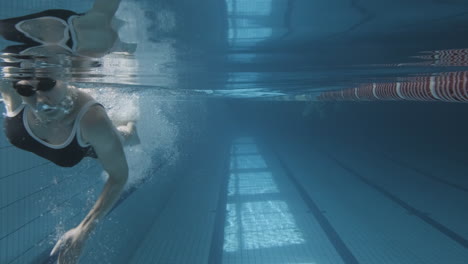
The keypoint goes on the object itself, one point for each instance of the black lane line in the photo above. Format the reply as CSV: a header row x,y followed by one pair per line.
x,y
340,247
217,239
421,215
404,164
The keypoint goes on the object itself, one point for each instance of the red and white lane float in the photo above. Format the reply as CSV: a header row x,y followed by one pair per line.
x,y
447,87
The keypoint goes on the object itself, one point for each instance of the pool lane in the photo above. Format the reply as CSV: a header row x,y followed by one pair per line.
x,y
246,212
375,227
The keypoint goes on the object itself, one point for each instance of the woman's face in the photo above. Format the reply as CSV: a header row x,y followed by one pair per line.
x,y
50,103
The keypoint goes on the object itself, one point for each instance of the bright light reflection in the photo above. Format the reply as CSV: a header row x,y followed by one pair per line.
x,y
250,183
249,7
264,225
242,93
248,162
231,230
241,23
244,19
248,34
260,223
245,148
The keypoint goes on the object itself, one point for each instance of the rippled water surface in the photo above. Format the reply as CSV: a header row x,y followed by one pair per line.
x,y
270,49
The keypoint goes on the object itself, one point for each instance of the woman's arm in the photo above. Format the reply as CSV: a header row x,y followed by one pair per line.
x,y
98,130
11,99
94,33
107,7
100,16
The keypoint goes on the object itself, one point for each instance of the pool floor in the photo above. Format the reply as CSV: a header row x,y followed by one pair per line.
x,y
317,202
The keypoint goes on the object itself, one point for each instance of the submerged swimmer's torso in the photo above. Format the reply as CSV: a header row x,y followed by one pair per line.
x,y
62,145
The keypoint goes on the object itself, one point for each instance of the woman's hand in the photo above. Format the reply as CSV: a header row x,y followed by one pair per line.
x,y
70,245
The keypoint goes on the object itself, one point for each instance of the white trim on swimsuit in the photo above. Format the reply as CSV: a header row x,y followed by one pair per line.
x,y
63,42
75,130
14,112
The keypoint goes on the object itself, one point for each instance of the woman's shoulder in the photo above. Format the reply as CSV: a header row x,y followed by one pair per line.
x,y
87,105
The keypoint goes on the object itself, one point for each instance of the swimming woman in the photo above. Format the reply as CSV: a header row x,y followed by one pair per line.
x,y
60,123
49,117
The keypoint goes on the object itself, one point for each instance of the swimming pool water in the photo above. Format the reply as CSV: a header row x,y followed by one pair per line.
x,y
286,131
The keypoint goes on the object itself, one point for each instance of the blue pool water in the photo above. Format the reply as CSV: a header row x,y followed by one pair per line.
x,y
272,131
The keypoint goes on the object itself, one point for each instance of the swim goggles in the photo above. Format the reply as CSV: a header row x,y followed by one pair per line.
x,y
27,90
